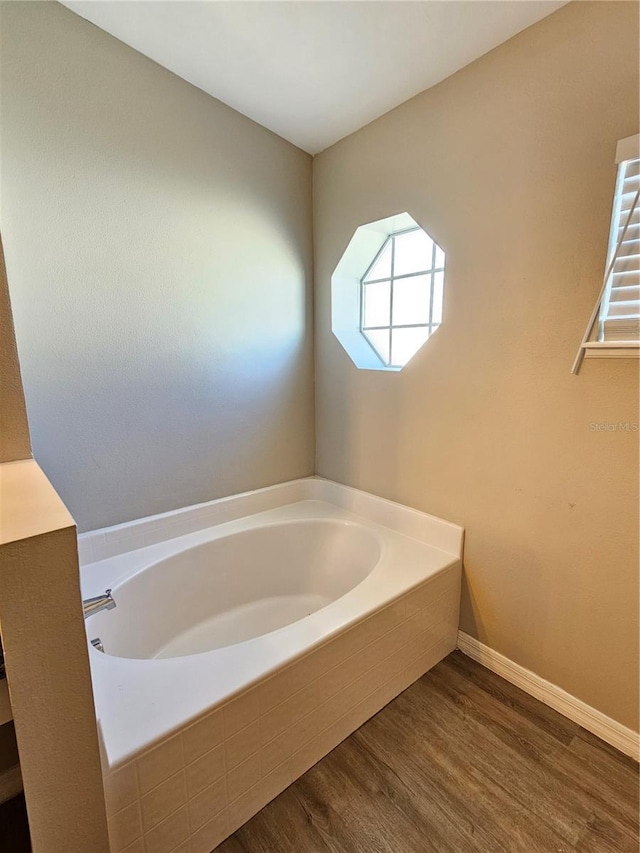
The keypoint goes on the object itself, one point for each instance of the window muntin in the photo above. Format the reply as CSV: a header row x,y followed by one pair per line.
x,y
401,295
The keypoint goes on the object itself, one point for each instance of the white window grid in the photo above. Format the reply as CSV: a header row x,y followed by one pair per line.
x,y
431,271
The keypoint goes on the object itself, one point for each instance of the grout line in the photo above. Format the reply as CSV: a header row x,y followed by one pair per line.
x,y
139,802
364,699
338,637
224,755
353,654
164,820
200,757
410,642
160,784
128,806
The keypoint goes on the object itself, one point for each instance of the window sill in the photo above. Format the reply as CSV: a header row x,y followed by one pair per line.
x,y
611,349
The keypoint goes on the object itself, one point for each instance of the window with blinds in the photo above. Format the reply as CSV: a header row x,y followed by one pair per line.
x,y
613,330
620,306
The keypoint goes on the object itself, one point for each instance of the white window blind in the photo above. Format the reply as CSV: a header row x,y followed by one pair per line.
x,y
620,306
613,330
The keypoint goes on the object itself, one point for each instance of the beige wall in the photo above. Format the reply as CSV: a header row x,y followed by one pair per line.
x,y
509,165
158,246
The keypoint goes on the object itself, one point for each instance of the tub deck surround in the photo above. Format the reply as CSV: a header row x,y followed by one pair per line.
x,y
98,545
194,745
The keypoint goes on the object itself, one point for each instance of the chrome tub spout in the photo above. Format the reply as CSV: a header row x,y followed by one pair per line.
x,y
98,603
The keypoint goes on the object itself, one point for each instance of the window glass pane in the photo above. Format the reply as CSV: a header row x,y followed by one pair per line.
x,y
413,252
405,343
380,342
376,304
411,300
439,257
438,288
382,267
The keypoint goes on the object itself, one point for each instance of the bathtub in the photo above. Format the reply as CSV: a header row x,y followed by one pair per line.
x,y
250,636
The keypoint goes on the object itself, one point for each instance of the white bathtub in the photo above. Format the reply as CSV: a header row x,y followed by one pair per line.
x,y
237,586
250,636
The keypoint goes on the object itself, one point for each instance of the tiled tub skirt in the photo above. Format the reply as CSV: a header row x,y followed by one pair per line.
x,y
190,792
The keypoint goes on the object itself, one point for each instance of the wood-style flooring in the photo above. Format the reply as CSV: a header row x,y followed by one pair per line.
x,y
461,761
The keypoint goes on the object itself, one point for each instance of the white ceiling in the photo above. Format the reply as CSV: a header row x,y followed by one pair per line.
x,y
313,71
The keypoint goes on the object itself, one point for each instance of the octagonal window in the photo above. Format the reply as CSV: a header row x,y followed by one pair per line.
x,y
401,295
387,293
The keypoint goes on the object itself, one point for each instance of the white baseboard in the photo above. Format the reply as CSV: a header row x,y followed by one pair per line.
x,y
614,733
10,783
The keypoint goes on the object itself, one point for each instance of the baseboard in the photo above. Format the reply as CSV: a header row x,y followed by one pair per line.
x,y
10,783
614,733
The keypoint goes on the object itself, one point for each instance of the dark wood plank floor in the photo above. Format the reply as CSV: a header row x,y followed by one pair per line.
x,y
461,761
